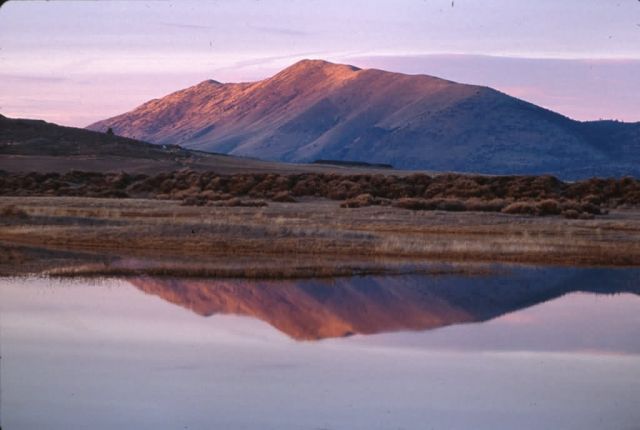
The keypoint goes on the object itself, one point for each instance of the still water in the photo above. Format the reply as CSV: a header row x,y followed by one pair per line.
x,y
524,348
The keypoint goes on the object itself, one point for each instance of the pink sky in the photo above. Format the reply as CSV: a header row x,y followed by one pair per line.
x,y
76,62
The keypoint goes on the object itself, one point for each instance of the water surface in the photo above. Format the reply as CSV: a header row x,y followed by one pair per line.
x,y
524,348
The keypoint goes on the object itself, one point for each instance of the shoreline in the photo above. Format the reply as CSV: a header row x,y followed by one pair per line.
x,y
310,238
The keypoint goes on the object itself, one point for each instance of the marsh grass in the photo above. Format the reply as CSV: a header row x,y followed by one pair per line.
x,y
310,236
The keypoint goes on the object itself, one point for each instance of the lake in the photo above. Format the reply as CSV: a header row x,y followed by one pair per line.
x,y
519,348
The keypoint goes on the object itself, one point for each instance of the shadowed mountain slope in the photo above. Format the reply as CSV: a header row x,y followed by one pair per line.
x,y
37,137
35,145
319,110
29,145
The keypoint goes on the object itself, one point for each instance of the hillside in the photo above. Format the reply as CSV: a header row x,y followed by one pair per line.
x,y
319,110
29,145
35,145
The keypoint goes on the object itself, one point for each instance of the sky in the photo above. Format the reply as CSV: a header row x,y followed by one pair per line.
x,y
75,62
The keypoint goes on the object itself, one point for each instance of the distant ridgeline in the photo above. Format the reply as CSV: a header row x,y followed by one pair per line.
x,y
353,164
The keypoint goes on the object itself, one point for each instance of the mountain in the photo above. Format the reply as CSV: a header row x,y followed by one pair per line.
x,y
318,309
319,110
29,145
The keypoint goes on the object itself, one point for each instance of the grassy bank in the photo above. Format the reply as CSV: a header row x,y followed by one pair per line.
x,y
312,237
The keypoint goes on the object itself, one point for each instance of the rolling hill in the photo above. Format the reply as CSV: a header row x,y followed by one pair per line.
x,y
318,110
31,145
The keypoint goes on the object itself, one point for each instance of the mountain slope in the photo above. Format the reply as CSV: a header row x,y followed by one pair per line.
x,y
319,110
28,145
37,137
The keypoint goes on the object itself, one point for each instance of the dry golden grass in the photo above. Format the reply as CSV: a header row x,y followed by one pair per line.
x,y
310,237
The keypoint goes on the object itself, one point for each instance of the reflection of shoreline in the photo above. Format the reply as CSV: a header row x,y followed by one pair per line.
x,y
317,309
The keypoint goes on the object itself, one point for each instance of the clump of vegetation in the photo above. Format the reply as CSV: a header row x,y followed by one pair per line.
x,y
236,202
521,208
362,200
475,204
528,195
448,204
283,197
548,207
567,208
571,214
193,201
12,211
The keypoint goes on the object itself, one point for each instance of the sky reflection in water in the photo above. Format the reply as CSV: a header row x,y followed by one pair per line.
x,y
552,354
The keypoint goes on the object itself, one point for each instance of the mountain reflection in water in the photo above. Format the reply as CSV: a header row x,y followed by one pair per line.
x,y
318,309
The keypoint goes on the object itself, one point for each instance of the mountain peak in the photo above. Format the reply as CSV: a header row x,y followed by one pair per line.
x,y
320,64
208,82
315,109
322,67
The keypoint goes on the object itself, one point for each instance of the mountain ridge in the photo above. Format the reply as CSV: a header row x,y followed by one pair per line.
x,y
319,110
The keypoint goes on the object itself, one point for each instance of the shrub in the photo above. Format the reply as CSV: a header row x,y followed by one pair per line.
x,y
345,189
590,208
284,197
593,199
192,191
193,201
13,211
209,195
236,202
359,201
413,203
521,208
548,207
571,214
238,185
253,203
479,205
451,205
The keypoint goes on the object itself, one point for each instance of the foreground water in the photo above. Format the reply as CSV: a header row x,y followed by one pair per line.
x,y
524,348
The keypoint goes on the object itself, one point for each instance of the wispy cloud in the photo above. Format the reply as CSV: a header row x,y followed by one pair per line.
x,y
187,26
280,31
31,78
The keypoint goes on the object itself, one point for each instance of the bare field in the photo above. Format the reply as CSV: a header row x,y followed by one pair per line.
x,y
314,237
